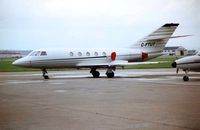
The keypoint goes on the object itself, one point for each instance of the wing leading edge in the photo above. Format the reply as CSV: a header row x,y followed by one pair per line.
x,y
115,63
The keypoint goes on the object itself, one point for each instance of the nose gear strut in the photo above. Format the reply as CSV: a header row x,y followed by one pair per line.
x,y
45,73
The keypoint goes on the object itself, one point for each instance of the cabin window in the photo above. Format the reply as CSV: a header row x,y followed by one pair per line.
x,y
71,54
43,53
87,53
79,54
96,53
104,53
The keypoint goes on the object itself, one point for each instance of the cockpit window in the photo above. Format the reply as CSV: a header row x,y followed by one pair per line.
x,y
38,53
31,53
43,53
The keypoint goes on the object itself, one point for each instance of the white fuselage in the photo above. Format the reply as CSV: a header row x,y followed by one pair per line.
x,y
191,63
73,57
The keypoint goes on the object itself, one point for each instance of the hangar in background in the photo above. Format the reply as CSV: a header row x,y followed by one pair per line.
x,y
175,50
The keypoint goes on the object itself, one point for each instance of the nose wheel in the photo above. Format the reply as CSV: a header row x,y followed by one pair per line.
x,y
45,74
186,77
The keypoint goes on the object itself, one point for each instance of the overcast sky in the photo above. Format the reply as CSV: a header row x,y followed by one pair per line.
x,y
33,24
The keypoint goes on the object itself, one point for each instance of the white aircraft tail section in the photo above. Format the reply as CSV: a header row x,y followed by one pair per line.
x,y
156,41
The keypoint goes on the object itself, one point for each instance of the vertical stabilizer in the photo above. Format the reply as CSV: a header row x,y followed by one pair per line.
x,y
156,41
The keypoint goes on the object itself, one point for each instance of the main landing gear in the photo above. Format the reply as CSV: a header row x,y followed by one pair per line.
x,y
45,74
94,73
110,73
186,77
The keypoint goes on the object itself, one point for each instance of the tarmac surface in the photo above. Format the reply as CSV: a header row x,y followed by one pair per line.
x,y
150,99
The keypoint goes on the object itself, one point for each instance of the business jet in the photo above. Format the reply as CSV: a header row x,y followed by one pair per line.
x,y
189,63
149,47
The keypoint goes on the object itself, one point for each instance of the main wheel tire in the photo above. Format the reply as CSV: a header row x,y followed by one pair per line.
x,y
96,74
110,75
185,78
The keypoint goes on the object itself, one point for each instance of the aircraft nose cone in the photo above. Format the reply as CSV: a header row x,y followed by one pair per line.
x,y
16,63
174,64
21,62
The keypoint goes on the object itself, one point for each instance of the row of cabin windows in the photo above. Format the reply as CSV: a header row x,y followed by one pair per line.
x,y
87,54
44,53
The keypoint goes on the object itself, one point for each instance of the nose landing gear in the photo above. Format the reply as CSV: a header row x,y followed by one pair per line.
x,y
186,77
45,73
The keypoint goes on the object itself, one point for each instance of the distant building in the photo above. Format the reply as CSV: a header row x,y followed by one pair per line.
x,y
13,53
175,50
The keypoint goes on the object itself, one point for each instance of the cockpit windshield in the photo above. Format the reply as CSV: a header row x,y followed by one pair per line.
x,y
31,53
38,53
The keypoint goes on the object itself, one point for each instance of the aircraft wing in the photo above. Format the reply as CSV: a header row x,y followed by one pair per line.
x,y
113,63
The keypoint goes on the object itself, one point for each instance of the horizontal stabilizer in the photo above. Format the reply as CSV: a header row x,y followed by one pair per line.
x,y
180,36
164,38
